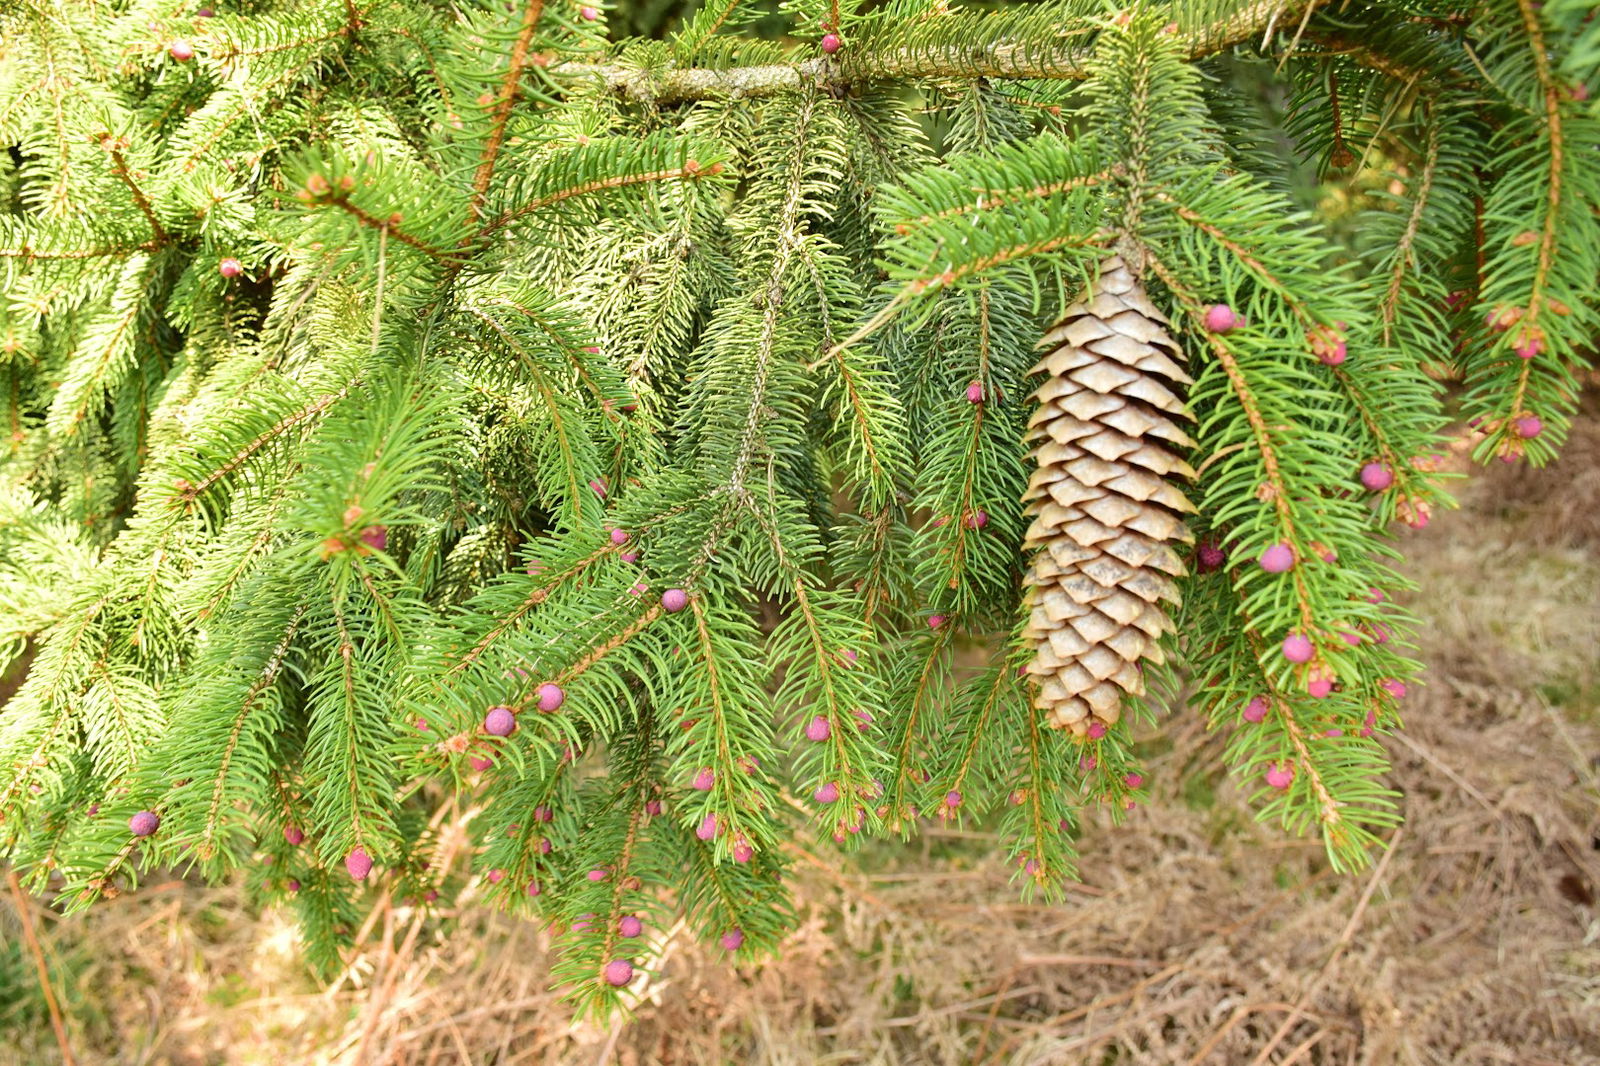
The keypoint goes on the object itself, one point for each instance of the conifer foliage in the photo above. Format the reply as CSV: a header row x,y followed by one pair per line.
x,y
429,413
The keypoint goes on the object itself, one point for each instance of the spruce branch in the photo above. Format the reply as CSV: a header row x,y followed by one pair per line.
x,y
1000,59
119,167
510,90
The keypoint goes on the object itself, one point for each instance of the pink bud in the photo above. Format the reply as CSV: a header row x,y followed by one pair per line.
x,y
180,50
704,780
674,600
499,722
598,874
1350,637
818,729
1334,354
542,813
733,939
144,823
827,793
230,267
830,43
496,876
599,488
652,807
1087,763
588,14
294,835
1297,649
1133,780
544,846
1376,477
618,972
743,852
975,392
619,536
478,763
1395,688
935,621
1210,556
1031,867
977,519
1319,688
952,799
707,829
1529,347
551,697
359,863
1277,558
293,885
1529,426
1280,776
863,719
630,557
1256,710
629,926
533,889
1219,318
1096,729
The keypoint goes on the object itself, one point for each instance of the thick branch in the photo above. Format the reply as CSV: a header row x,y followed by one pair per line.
x,y
1063,60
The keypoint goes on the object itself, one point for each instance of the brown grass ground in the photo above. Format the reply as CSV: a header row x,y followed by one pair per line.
x,y
1197,937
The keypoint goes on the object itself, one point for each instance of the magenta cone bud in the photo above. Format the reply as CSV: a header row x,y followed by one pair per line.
x,y
1280,776
818,729
551,697
827,793
1334,355
629,926
294,835
499,722
975,392
375,537
1397,689
652,807
1350,637
952,799
1220,318
704,780
293,885
1375,595
478,763
977,519
619,536
1297,648
935,621
181,50
588,14
206,13
830,43
230,267
599,873
1097,729
1210,556
1133,780
582,923
1256,710
733,939
1087,763
674,600
543,814
359,863
599,488
533,889
1319,688
707,829
1529,348
618,972
863,719
1376,477
743,852
496,876
1529,426
544,845
630,557
1277,558
144,823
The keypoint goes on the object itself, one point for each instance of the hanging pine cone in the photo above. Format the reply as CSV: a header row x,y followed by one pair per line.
x,y
1106,513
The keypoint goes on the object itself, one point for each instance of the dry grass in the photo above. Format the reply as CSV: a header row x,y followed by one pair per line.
x,y
1197,938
